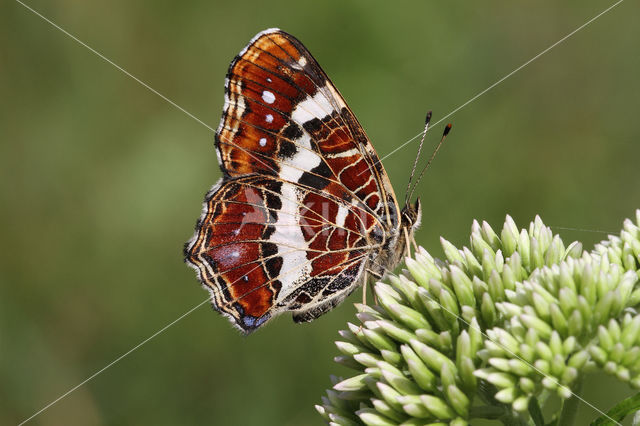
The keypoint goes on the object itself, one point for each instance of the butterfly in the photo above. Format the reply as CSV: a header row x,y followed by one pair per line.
x,y
304,212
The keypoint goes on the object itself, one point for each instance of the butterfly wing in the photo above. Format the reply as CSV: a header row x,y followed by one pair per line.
x,y
304,204
264,246
284,117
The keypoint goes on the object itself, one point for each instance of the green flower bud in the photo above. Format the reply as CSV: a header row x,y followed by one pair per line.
x,y
367,359
542,328
418,271
630,333
472,266
509,236
432,358
371,417
392,357
519,367
450,305
509,276
378,340
617,352
396,331
574,250
578,360
451,252
506,396
558,320
386,410
390,395
349,348
462,287
415,407
501,380
598,354
568,300
355,383
576,323
549,383
623,374
631,357
407,316
465,370
520,404
347,361
479,245
557,365
527,352
488,310
395,378
564,392
524,248
458,400
542,366
455,422
555,252
439,408
344,421
526,385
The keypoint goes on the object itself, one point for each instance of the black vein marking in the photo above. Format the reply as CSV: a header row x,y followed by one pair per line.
x,y
287,149
317,178
292,132
314,126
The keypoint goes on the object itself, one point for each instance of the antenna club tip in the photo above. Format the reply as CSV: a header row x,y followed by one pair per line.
x,y
447,129
428,118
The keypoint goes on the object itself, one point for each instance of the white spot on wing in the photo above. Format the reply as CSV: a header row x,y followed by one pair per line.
x,y
268,118
317,106
263,141
268,97
341,215
304,159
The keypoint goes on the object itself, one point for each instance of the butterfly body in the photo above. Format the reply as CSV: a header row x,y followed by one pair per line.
x,y
304,210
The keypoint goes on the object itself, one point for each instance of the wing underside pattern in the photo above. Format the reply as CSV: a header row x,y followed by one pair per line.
x,y
304,204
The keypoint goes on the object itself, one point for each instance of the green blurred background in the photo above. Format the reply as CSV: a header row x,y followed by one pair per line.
x,y
102,180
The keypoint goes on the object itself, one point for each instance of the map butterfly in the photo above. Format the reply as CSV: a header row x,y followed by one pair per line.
x,y
304,212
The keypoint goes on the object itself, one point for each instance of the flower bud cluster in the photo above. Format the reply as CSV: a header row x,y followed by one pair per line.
x,y
516,312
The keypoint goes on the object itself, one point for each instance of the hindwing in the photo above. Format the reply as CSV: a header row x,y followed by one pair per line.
x,y
264,246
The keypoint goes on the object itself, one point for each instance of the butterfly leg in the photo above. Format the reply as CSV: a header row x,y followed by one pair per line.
x,y
367,282
364,287
407,241
376,276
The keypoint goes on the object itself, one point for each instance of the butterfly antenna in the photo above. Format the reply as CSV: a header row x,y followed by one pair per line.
x,y
447,129
415,162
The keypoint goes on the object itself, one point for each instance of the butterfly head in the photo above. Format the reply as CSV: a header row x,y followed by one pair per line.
x,y
411,217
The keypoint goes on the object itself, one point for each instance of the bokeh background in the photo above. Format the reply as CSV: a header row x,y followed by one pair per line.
x,y
101,180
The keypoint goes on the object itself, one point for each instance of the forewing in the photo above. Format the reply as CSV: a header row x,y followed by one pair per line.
x,y
283,117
